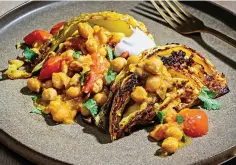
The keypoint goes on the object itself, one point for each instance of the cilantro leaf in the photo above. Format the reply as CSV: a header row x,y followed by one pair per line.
x,y
92,106
37,111
160,115
109,52
76,55
184,138
34,98
29,54
82,77
110,76
179,119
207,97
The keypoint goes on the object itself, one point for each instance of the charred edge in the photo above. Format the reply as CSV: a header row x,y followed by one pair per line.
x,y
120,100
144,116
103,115
156,51
223,92
178,60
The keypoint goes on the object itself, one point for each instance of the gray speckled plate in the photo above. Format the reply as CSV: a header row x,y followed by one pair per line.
x,y
32,137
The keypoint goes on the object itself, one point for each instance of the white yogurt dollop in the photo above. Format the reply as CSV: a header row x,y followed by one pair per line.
x,y
134,44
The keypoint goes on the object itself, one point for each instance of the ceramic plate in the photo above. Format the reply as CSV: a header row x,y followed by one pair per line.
x,y
31,136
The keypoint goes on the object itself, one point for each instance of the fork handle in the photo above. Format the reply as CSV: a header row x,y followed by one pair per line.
x,y
220,35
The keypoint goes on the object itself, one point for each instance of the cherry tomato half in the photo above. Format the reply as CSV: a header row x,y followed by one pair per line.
x,y
195,122
56,28
52,65
39,35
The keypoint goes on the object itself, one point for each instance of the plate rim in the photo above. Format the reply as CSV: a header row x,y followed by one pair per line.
x,y
40,158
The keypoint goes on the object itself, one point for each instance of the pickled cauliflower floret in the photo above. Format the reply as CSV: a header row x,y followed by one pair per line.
x,y
49,94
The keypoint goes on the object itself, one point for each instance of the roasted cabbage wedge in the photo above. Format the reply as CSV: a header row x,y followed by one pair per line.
x,y
112,21
183,72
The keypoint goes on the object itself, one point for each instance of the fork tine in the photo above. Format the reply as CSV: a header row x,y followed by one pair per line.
x,y
169,12
176,10
182,9
163,14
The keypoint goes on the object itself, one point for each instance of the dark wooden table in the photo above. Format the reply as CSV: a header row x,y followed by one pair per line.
x,y
7,156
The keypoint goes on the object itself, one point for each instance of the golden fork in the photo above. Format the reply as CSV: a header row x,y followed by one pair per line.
x,y
184,22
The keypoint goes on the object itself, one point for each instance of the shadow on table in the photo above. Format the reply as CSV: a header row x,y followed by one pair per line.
x,y
101,136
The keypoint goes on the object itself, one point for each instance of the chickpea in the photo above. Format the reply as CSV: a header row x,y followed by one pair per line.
x,y
169,114
174,132
153,83
76,66
67,53
133,59
74,91
102,51
170,144
34,84
74,80
49,94
96,28
100,98
153,65
85,30
118,64
91,45
102,36
60,80
139,94
97,87
84,111
47,84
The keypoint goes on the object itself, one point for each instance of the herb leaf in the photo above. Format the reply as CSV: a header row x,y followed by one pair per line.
x,y
37,111
207,97
109,52
160,115
184,138
110,76
29,54
34,98
82,77
179,119
92,106
76,55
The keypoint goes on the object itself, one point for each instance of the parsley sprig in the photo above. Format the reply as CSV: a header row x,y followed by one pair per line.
x,y
110,76
207,97
92,106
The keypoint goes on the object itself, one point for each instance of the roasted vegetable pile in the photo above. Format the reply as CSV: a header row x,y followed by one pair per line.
x,y
74,71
